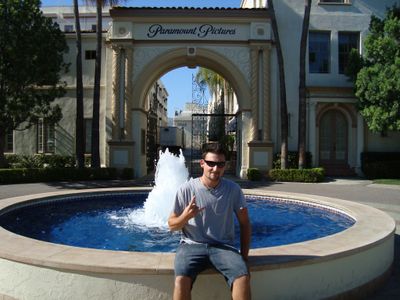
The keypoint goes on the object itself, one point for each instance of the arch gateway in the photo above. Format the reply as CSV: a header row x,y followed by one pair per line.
x,y
148,42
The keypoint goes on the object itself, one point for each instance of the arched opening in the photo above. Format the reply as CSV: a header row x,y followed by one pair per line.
x,y
187,107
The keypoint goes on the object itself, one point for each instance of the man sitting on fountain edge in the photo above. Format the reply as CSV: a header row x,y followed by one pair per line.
x,y
203,210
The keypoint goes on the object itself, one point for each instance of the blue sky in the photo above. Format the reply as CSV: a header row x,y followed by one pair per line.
x,y
160,3
179,81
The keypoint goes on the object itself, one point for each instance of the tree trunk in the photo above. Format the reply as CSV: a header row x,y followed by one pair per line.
x,y
96,93
302,87
282,89
3,161
79,133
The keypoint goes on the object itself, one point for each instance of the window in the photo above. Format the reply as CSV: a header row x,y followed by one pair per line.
x,y
9,144
319,51
88,135
94,27
347,42
68,28
90,54
45,137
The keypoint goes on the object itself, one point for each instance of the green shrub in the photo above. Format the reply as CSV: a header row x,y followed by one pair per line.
x,y
297,175
127,173
382,170
38,161
293,160
380,164
254,174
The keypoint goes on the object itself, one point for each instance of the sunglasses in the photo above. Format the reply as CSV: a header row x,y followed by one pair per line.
x,y
212,164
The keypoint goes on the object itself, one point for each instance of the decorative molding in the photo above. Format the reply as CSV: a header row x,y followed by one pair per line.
x,y
239,56
142,56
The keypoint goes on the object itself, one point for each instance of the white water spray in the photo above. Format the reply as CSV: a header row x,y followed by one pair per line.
x,y
171,173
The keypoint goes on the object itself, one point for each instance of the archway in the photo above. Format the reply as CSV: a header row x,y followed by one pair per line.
x,y
234,43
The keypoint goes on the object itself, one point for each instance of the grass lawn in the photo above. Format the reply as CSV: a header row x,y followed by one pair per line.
x,y
387,181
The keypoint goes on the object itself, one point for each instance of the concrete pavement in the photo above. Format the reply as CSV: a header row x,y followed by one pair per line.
x,y
383,197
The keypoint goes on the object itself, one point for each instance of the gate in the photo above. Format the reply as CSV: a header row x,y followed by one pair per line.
x,y
208,128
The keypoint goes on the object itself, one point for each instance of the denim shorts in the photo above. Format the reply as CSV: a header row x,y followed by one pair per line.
x,y
191,259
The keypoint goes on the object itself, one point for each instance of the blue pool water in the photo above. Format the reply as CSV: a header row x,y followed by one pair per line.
x,y
100,221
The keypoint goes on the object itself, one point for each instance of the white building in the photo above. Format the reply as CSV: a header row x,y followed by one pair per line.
x,y
142,44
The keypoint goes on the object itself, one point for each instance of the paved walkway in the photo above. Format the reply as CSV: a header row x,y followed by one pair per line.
x,y
383,197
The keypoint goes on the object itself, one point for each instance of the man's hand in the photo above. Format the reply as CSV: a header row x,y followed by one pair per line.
x,y
176,222
192,209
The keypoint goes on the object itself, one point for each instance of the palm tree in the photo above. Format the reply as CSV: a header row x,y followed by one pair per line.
x,y
79,134
282,89
95,163
219,87
302,86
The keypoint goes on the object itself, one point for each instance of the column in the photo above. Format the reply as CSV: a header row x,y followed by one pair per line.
x,y
128,92
260,96
115,91
121,147
254,94
267,94
121,94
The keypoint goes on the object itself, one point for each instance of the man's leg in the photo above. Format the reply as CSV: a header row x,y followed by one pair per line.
x,y
241,288
230,263
182,288
190,260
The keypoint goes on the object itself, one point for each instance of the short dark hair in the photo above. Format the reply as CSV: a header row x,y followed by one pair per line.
x,y
214,147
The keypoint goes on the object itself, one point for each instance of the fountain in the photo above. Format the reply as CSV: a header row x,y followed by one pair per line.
x,y
171,172
335,265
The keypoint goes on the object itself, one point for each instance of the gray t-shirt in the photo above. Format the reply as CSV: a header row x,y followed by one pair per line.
x,y
214,224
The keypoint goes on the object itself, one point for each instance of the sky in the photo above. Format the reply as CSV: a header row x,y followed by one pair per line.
x,y
178,82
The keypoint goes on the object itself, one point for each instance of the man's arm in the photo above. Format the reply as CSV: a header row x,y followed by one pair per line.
x,y
176,222
245,232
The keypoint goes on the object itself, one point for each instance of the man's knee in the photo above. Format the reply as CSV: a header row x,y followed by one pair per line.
x,y
243,281
183,282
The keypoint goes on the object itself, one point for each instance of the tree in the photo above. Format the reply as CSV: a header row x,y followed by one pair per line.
x,y
31,64
302,86
95,162
79,134
218,87
376,76
282,89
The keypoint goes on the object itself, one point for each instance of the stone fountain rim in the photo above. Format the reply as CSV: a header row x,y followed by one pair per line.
x,y
363,235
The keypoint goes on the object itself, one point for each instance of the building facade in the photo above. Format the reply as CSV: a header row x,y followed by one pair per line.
x,y
142,44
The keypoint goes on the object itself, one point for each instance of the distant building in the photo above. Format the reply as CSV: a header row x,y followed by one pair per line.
x,y
192,130
59,139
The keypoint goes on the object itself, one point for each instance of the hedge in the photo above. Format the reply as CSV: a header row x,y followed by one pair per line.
x,y
37,161
24,175
254,174
380,164
297,175
293,160
382,170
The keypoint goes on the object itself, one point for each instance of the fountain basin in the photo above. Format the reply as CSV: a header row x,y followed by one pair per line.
x,y
351,262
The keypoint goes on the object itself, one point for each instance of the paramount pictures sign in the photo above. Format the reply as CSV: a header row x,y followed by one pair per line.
x,y
202,31
156,31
